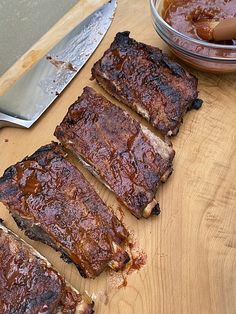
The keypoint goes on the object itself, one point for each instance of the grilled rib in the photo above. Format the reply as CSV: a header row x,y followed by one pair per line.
x,y
29,284
128,158
148,81
52,201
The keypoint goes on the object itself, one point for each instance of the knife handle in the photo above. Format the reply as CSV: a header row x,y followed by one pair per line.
x,y
7,120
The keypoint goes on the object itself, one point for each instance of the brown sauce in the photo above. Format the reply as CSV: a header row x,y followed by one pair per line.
x,y
182,14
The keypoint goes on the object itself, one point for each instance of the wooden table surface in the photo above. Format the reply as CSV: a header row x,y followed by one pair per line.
x,y
191,246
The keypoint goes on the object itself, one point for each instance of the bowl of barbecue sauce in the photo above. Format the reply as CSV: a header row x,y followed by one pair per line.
x,y
175,20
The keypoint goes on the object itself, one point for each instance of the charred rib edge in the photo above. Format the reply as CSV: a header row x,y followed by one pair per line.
x,y
31,232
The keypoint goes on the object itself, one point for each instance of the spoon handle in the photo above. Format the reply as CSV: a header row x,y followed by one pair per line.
x,y
225,30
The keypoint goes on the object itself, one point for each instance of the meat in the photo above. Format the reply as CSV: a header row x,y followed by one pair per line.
x,y
148,81
51,200
127,157
29,284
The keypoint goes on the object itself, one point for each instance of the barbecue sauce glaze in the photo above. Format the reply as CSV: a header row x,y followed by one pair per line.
x,y
28,284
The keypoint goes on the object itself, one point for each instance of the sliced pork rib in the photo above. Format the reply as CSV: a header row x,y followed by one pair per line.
x,y
127,157
29,284
148,81
52,201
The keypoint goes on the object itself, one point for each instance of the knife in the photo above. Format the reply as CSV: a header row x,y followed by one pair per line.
x,y
35,91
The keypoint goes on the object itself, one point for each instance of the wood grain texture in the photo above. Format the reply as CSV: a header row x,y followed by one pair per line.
x,y
191,246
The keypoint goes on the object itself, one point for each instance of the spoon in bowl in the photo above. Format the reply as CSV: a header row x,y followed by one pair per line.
x,y
213,30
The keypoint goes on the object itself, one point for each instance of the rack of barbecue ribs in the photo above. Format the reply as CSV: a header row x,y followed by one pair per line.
x,y
29,284
148,81
128,158
52,201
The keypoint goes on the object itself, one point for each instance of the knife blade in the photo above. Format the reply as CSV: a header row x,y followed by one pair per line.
x,y
35,91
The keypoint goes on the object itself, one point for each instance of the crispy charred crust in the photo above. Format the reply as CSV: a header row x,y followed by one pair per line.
x,y
66,258
148,81
31,284
197,104
33,231
156,210
53,203
128,158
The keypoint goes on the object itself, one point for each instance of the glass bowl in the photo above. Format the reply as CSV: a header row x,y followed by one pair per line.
x,y
200,54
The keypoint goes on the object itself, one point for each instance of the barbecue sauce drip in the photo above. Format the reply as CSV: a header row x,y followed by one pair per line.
x,y
182,14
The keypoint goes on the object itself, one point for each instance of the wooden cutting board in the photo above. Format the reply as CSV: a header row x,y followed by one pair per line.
x,y
191,246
